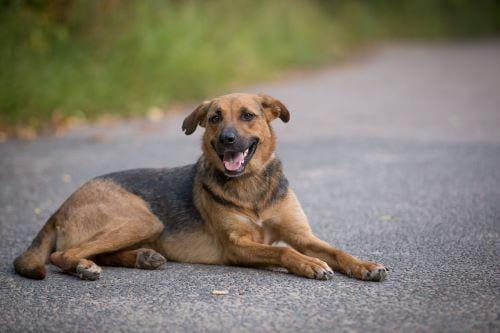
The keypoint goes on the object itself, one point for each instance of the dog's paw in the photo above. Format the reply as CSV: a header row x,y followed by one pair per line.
x,y
376,273
86,271
323,274
313,269
149,259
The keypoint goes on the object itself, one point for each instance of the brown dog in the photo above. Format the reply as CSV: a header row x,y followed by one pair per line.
x,y
228,208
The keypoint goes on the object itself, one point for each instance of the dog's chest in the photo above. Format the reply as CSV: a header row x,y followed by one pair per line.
x,y
253,222
261,232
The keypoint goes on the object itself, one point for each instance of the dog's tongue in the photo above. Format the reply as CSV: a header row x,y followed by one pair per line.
x,y
233,160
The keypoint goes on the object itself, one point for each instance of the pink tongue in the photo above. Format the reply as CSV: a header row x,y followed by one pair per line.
x,y
233,161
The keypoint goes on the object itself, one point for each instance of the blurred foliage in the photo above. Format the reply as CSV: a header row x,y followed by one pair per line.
x,y
88,57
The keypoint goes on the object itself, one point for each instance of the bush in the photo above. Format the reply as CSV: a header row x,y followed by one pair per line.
x,y
88,57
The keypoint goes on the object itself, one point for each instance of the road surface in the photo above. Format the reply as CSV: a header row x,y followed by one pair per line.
x,y
395,157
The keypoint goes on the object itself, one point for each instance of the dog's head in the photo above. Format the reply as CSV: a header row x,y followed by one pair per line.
x,y
238,136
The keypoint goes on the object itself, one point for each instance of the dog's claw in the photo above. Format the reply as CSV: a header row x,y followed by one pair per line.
x,y
379,273
323,274
329,274
91,273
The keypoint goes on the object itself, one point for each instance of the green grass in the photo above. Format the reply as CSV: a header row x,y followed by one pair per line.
x,y
123,57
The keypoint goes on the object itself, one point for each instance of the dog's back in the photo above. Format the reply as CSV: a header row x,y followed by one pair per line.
x,y
168,192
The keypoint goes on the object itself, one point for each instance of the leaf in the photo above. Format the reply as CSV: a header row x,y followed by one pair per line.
x,y
386,217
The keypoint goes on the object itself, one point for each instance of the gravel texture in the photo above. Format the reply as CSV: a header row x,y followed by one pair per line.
x,y
395,157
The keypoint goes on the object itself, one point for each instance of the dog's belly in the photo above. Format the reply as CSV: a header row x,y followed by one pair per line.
x,y
201,247
167,191
195,246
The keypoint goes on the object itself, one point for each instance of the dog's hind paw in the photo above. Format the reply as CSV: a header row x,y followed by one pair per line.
x,y
149,259
87,271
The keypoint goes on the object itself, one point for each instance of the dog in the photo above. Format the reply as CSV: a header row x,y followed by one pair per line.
x,y
231,207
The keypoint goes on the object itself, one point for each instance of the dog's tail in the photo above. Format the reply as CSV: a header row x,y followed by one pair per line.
x,y
31,263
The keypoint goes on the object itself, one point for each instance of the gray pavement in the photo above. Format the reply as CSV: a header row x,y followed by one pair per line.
x,y
395,157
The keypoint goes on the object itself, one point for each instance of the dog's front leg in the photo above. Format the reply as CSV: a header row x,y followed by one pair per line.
x,y
290,225
339,260
243,250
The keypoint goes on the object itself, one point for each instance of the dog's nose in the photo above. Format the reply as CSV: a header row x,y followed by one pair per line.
x,y
228,136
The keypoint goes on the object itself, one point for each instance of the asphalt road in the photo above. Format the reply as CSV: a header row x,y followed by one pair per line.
x,y
395,157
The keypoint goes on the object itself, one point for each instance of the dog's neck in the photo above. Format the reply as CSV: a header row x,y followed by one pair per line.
x,y
259,189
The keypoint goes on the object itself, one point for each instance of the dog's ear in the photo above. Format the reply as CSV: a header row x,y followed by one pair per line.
x,y
197,117
273,108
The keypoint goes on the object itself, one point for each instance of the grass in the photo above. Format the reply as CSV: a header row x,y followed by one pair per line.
x,y
85,58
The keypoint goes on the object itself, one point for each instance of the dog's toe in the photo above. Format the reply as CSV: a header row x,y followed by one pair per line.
x,y
379,273
323,274
86,272
150,259
317,269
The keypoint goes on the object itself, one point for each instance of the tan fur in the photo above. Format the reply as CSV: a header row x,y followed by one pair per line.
x,y
100,217
230,105
32,262
105,223
202,247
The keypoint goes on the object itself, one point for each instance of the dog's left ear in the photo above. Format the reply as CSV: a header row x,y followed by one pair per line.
x,y
197,117
273,108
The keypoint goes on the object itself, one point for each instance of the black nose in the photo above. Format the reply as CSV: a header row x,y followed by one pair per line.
x,y
227,136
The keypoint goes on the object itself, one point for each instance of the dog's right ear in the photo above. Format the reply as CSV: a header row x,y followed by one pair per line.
x,y
197,117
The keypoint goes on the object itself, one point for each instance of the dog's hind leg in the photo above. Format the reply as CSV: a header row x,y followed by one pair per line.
x,y
142,258
101,217
129,232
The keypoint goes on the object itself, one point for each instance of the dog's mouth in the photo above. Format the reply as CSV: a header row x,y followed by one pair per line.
x,y
235,161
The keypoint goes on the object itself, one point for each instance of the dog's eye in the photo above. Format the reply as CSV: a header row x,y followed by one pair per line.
x,y
247,116
215,119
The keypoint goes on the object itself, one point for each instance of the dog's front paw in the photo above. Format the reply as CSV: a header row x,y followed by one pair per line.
x,y
312,268
374,272
323,274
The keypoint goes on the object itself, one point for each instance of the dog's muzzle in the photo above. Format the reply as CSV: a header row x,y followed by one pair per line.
x,y
234,151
